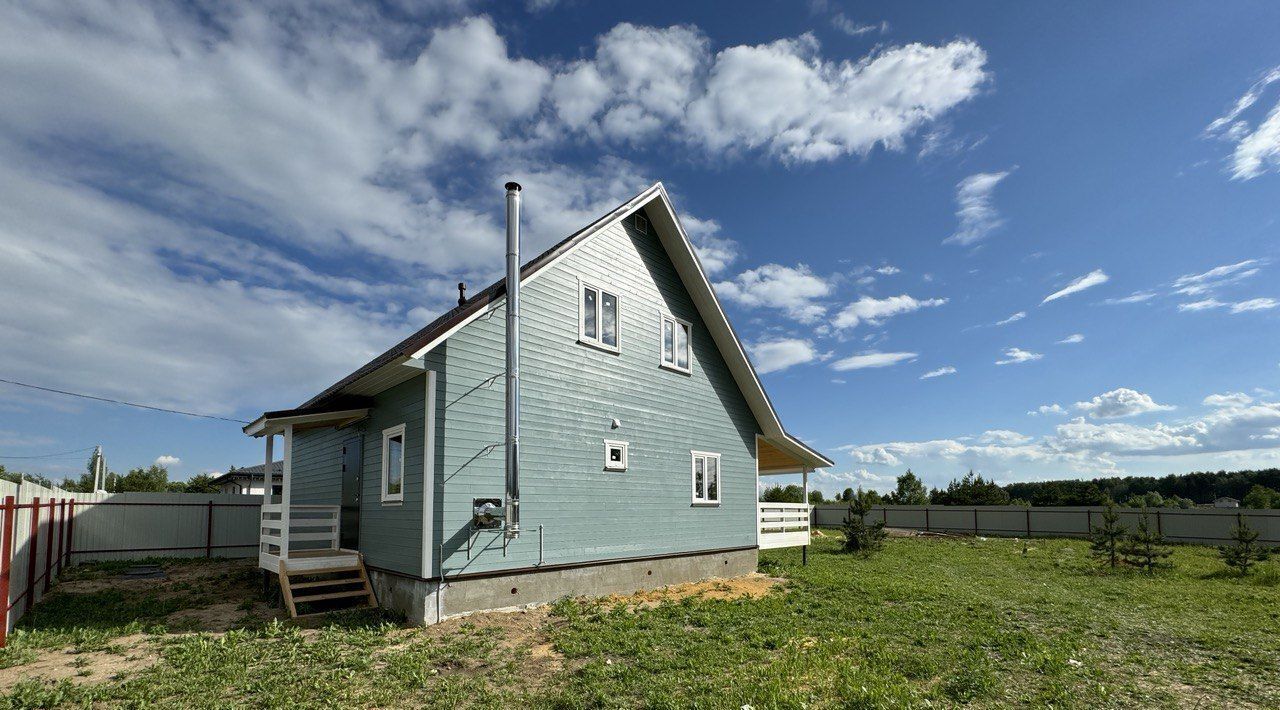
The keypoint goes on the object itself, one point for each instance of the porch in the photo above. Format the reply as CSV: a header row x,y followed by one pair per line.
x,y
783,524
300,539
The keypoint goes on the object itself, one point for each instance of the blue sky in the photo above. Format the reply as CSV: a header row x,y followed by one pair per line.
x,y
1065,215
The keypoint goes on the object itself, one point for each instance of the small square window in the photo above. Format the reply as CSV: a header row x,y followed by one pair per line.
x,y
615,455
642,224
706,478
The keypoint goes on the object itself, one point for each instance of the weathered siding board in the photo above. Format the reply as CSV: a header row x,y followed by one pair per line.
x,y
570,394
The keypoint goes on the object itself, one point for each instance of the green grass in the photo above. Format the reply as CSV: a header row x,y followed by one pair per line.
x,y
926,623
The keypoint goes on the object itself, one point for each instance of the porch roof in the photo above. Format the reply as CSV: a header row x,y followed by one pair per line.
x,y
348,411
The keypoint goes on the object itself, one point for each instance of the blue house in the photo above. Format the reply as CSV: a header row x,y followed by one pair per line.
x,y
642,433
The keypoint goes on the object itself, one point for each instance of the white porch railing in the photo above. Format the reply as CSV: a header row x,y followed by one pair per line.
x,y
783,525
312,529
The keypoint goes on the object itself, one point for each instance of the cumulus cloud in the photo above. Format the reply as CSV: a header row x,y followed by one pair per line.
x,y
167,461
1072,339
1003,437
1228,399
794,290
944,370
888,270
975,210
775,355
873,311
1120,402
1047,409
871,360
1089,280
1256,140
1015,356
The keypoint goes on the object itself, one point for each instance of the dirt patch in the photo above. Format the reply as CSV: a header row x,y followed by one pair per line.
x,y
221,618
748,586
127,655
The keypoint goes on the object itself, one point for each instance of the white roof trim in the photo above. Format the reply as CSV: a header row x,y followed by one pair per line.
x,y
265,426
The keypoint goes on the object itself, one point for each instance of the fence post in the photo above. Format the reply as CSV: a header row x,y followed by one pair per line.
x,y
975,521
1028,521
48,547
1088,520
885,510
208,531
33,547
71,528
62,533
1159,525
926,518
6,559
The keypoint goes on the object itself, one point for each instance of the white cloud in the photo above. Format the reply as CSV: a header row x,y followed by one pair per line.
x,y
1228,399
716,252
1120,402
841,22
820,110
1197,284
944,370
1254,304
1072,339
775,355
1135,297
794,290
873,311
1089,280
1047,409
1206,304
977,215
1003,437
1257,145
888,270
167,461
1013,318
872,359
1014,356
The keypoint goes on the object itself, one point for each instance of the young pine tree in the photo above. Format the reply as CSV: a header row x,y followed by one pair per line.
x,y
1107,539
859,536
1144,548
1246,552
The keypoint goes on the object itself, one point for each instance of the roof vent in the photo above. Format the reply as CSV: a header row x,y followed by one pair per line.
x,y
462,293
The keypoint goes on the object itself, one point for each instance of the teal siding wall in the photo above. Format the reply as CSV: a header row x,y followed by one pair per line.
x,y
391,533
317,466
570,394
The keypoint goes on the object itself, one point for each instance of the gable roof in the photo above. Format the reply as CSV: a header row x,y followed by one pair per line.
x,y
387,369
251,472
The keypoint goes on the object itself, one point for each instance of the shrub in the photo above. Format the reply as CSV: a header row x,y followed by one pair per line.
x,y
859,536
1246,552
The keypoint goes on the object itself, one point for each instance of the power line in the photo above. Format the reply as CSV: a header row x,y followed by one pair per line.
x,y
127,404
51,456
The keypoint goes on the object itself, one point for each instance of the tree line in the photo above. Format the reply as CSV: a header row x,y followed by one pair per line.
x,y
152,479
1254,489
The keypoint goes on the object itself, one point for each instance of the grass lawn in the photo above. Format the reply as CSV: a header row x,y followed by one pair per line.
x,y
928,622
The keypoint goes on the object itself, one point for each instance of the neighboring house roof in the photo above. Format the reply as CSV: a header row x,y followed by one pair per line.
x,y
385,370
277,470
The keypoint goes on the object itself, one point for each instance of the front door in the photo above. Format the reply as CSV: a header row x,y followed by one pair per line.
x,y
352,466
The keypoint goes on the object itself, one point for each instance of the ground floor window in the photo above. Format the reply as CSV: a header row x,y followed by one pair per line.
x,y
706,478
393,464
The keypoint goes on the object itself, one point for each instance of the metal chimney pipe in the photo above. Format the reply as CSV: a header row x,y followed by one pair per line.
x,y
512,499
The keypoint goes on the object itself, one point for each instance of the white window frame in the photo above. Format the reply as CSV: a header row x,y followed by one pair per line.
x,y
597,342
641,223
693,477
387,435
611,466
663,319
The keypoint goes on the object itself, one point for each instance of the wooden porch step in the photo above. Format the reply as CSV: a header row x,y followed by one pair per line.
x,y
289,581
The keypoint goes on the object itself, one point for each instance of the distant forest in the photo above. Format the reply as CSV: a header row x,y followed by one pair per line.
x,y
1200,487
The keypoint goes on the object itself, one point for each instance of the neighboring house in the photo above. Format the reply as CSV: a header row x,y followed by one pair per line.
x,y
248,480
1226,502
644,429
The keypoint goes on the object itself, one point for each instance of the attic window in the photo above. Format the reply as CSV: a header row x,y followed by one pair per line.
x,y
642,224
597,317
615,455
675,344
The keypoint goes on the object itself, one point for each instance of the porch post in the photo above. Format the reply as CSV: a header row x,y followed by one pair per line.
x,y
804,551
286,480
266,490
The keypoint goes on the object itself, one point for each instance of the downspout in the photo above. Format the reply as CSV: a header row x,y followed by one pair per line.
x,y
511,501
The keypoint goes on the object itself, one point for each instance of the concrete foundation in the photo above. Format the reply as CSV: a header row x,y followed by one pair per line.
x,y
419,600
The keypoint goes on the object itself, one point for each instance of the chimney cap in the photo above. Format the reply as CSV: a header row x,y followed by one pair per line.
x,y
514,186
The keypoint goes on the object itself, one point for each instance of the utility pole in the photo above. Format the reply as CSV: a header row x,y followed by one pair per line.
x,y
99,470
